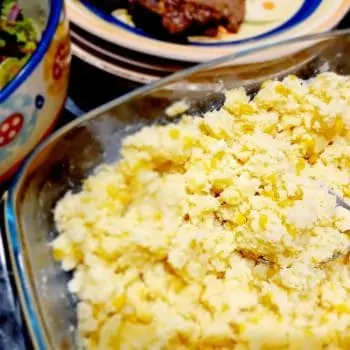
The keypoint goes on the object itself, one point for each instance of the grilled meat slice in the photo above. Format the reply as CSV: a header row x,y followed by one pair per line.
x,y
188,17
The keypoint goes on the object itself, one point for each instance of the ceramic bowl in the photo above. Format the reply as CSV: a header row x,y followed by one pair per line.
x,y
63,161
33,100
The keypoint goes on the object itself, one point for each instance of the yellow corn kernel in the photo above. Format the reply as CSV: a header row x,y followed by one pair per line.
x,y
124,197
269,194
313,159
324,319
246,109
214,162
318,122
241,328
343,308
291,230
309,332
239,219
58,254
271,272
119,302
158,215
299,194
105,250
245,148
174,133
144,317
255,319
112,190
131,318
242,159
91,341
78,255
96,309
271,179
263,220
178,285
347,163
301,164
338,126
337,129
188,141
101,251
281,89
346,192
308,144
248,128
271,129
286,203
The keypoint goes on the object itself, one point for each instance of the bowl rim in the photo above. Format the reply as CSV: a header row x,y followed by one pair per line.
x,y
12,231
55,7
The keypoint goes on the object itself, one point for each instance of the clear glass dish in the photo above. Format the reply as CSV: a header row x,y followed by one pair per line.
x,y
72,153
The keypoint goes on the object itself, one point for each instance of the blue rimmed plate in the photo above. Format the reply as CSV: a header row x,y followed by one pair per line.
x,y
282,19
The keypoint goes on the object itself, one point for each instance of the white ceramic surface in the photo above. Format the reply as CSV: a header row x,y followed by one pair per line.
x,y
114,52
303,54
322,17
113,68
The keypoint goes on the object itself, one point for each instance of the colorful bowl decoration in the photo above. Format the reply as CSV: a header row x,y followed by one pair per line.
x,y
32,101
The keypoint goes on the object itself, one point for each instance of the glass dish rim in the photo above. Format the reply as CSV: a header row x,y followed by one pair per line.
x,y
12,231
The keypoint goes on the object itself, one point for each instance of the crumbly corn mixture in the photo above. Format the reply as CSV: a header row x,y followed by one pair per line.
x,y
213,233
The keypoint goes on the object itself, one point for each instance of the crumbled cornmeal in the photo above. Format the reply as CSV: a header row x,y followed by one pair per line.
x,y
213,233
177,108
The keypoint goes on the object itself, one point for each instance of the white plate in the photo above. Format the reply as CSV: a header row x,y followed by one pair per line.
x,y
114,52
267,70
304,17
112,67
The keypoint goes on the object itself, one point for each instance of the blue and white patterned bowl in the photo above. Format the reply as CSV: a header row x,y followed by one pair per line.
x,y
32,101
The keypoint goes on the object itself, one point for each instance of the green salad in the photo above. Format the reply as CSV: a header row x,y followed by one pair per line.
x,y
18,40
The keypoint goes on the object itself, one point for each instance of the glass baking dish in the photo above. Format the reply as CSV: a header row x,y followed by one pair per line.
x,y
72,153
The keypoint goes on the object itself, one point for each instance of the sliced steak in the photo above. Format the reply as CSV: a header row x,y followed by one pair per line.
x,y
188,17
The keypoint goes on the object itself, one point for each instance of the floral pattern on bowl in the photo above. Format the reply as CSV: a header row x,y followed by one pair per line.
x,y
56,66
17,127
30,110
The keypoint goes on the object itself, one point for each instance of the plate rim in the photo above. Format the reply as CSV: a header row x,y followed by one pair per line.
x,y
121,72
98,46
306,6
83,19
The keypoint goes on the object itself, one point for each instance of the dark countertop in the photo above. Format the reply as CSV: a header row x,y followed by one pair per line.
x,y
83,97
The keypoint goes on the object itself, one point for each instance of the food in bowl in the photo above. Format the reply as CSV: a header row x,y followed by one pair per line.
x,y
218,232
32,101
18,40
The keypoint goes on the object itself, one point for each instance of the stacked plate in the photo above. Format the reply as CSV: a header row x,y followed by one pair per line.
x,y
104,36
